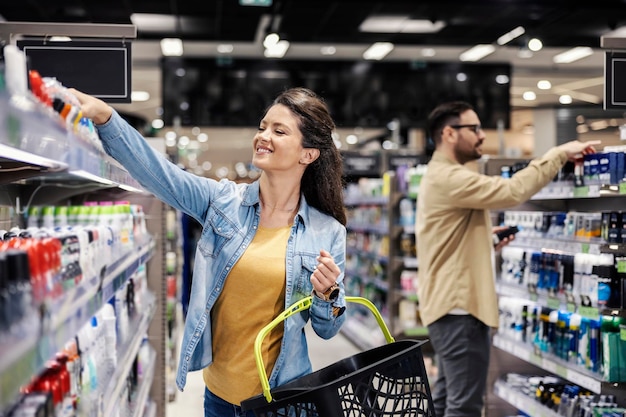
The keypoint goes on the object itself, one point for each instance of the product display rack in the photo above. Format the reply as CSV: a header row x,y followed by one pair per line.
x,y
375,261
43,163
556,196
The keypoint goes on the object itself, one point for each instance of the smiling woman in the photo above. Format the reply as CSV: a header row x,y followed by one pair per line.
x,y
288,220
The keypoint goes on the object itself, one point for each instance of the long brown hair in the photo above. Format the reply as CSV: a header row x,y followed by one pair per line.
x,y
322,183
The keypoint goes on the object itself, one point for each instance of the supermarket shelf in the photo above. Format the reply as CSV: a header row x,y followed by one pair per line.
x,y
363,335
367,201
382,229
554,365
38,143
129,353
62,321
141,400
565,190
522,402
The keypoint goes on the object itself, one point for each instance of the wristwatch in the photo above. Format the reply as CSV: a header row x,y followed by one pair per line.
x,y
330,294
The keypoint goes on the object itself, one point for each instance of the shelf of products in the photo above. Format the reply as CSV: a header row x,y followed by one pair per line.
x,y
381,260
84,293
561,287
20,361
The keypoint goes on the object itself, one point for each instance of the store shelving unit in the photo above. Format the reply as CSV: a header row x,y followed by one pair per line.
x,y
375,261
43,163
557,196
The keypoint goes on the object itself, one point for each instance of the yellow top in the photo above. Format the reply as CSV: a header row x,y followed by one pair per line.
x,y
253,294
453,229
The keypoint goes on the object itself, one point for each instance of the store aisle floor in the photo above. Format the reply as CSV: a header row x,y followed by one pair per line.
x,y
189,403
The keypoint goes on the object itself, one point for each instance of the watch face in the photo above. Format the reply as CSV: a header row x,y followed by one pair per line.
x,y
334,292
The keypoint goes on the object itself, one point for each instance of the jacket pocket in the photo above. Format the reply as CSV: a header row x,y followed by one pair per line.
x,y
303,286
216,233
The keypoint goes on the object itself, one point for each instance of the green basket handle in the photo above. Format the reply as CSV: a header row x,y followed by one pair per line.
x,y
296,307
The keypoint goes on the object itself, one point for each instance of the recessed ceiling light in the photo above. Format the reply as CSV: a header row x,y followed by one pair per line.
x,y
535,45
502,79
572,55
529,96
378,51
461,77
139,96
565,99
172,47
278,50
478,52
225,48
158,124
544,85
429,52
328,50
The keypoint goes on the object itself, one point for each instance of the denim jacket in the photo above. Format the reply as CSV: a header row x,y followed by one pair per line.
x,y
229,214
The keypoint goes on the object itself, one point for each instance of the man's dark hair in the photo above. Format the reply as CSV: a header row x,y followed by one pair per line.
x,y
443,115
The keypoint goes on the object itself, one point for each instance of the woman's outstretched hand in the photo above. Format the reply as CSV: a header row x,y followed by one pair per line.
x,y
93,108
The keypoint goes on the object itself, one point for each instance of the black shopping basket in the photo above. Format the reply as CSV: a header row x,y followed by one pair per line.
x,y
389,380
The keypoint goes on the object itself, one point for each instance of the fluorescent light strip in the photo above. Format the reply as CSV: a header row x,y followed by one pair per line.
x,y
509,36
572,55
477,52
378,51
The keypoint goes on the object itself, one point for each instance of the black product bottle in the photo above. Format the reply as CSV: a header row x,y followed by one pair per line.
x,y
18,275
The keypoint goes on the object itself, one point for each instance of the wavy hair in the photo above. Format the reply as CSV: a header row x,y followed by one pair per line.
x,y
322,183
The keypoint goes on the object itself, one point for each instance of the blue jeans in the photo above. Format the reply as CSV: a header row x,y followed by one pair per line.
x,y
214,406
462,345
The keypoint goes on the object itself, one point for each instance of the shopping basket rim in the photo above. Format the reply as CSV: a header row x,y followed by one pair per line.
x,y
259,401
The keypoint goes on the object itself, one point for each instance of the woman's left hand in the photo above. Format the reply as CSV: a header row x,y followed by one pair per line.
x,y
326,273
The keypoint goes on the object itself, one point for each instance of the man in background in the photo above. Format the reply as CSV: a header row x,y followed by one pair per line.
x,y
456,290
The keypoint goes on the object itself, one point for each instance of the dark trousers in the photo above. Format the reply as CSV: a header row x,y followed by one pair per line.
x,y
461,343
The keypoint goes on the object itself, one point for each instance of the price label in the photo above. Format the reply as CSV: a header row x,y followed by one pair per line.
x,y
622,333
622,188
554,303
584,381
589,312
581,191
549,366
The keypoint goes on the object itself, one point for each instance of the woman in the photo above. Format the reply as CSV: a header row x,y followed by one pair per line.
x,y
264,245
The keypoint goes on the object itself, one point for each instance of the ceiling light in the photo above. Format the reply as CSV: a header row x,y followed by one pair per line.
x,y
399,24
544,85
172,47
461,77
278,50
328,50
139,96
509,36
158,124
428,52
529,96
565,99
535,45
572,55
153,22
378,51
202,137
478,52
270,40
225,48
502,79
60,39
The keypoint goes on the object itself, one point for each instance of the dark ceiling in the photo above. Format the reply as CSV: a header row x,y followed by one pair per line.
x,y
558,23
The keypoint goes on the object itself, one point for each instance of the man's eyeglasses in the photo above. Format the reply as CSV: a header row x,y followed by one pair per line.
x,y
474,128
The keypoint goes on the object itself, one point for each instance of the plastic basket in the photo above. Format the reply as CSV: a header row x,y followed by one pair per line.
x,y
389,380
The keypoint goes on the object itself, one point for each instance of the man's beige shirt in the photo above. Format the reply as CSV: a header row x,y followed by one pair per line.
x,y
453,228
